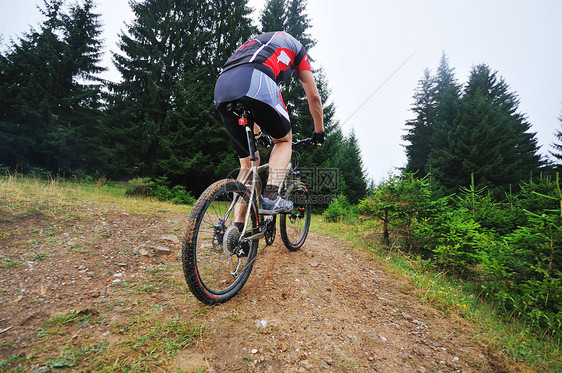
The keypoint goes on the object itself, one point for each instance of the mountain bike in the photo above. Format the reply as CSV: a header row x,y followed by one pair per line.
x,y
217,257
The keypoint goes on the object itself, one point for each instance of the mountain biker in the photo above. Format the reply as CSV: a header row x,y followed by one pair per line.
x,y
252,75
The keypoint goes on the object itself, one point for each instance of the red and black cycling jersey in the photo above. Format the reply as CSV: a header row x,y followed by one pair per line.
x,y
278,51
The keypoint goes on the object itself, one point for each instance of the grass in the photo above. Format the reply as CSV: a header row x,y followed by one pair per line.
x,y
8,263
69,201
146,341
509,339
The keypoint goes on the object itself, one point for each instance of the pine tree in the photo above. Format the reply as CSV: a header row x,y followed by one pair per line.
x,y
446,95
352,171
162,111
421,128
492,140
298,22
81,109
273,17
474,132
557,146
46,108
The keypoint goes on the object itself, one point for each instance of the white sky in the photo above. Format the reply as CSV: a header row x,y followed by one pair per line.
x,y
362,42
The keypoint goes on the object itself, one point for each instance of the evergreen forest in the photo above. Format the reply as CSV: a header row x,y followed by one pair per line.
x,y
158,123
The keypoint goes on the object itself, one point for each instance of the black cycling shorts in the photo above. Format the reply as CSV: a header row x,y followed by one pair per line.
x,y
261,94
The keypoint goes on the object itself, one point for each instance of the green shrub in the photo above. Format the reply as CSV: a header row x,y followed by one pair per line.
x,y
500,217
140,186
525,272
540,195
402,204
182,196
339,210
159,189
511,248
456,244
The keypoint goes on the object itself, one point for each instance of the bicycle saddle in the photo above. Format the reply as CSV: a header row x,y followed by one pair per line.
x,y
238,109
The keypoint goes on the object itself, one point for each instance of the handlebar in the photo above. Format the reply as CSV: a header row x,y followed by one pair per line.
x,y
265,141
303,142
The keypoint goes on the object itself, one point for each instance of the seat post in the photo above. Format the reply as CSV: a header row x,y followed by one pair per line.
x,y
244,115
249,124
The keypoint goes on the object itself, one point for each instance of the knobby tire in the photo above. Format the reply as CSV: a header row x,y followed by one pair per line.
x,y
294,226
207,266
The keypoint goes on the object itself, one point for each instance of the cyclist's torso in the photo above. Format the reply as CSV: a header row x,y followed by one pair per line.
x,y
278,51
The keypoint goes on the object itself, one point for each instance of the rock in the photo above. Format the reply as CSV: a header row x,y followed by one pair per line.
x,y
436,344
144,252
42,370
152,251
160,250
314,264
254,351
171,238
306,365
370,334
406,316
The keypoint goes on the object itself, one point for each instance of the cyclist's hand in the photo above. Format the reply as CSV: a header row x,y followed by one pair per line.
x,y
264,140
318,138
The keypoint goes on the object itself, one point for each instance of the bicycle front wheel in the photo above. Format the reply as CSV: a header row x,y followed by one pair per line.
x,y
295,224
214,265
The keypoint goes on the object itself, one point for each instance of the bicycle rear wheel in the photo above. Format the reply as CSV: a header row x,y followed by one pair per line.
x,y
295,224
215,271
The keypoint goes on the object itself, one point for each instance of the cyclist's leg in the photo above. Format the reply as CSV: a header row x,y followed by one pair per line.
x,y
273,119
279,159
241,206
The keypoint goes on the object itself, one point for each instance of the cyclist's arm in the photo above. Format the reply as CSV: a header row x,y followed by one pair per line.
x,y
313,98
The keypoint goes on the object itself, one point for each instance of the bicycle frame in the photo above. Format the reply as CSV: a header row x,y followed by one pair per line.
x,y
245,119
254,172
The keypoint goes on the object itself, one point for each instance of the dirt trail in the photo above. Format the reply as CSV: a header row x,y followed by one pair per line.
x,y
325,308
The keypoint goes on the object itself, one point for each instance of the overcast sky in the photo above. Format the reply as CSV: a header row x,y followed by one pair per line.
x,y
362,43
